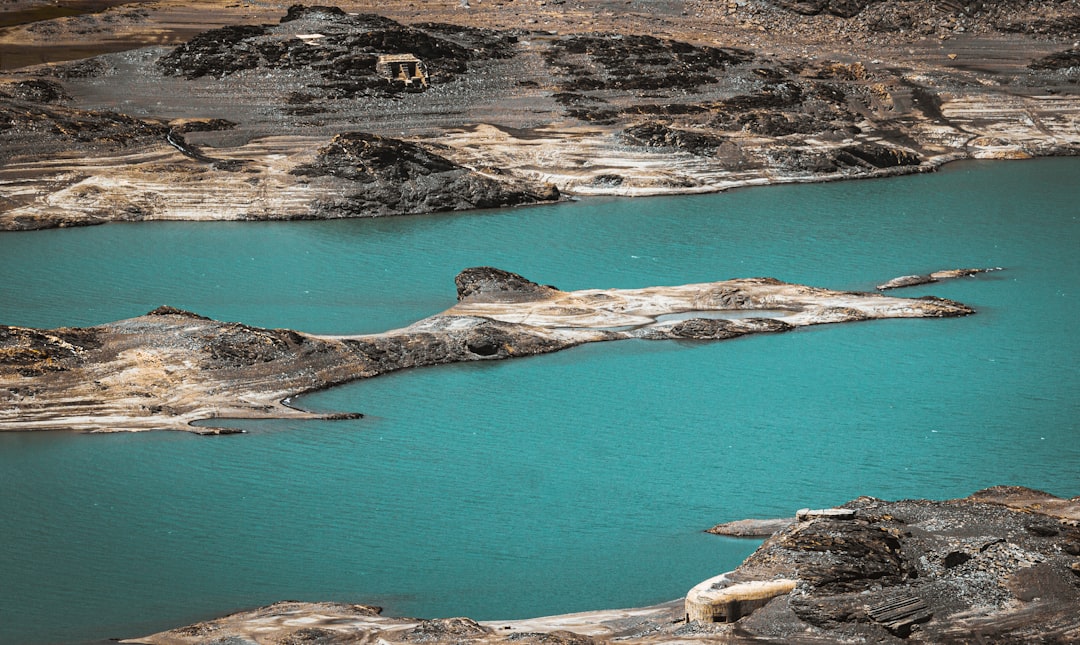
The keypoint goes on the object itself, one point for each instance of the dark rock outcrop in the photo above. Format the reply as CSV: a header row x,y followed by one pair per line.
x,y
877,155
491,282
638,62
719,329
1070,58
384,176
842,8
972,566
658,135
368,158
324,12
218,52
166,310
102,129
35,90
32,352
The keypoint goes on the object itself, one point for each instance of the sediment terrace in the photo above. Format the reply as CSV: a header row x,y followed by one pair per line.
x,y
170,368
282,112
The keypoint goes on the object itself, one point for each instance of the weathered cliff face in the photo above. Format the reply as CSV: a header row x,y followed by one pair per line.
x,y
1001,566
521,104
169,368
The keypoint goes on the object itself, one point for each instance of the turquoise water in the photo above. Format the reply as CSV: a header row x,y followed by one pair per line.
x,y
566,482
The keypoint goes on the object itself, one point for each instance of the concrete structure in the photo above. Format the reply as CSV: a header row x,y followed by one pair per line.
x,y
404,68
716,600
805,514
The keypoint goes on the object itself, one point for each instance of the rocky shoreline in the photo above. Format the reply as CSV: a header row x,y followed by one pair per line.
x,y
1001,566
170,368
282,112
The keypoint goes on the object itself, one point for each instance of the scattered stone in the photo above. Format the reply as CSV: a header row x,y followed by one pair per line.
x,y
441,630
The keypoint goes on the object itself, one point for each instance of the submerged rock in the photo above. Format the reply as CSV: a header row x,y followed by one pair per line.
x,y
937,276
751,528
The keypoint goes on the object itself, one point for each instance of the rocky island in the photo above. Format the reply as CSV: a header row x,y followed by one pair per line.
x,y
202,111
1000,566
170,368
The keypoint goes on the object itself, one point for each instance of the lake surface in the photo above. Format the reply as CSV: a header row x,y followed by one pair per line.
x,y
578,480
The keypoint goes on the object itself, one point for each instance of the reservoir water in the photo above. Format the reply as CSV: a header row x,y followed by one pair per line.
x,y
578,480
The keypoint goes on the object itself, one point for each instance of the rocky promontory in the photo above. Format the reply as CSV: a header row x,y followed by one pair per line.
x,y
1000,566
205,111
170,368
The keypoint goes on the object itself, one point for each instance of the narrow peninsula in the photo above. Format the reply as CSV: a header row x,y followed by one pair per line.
x,y
170,368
